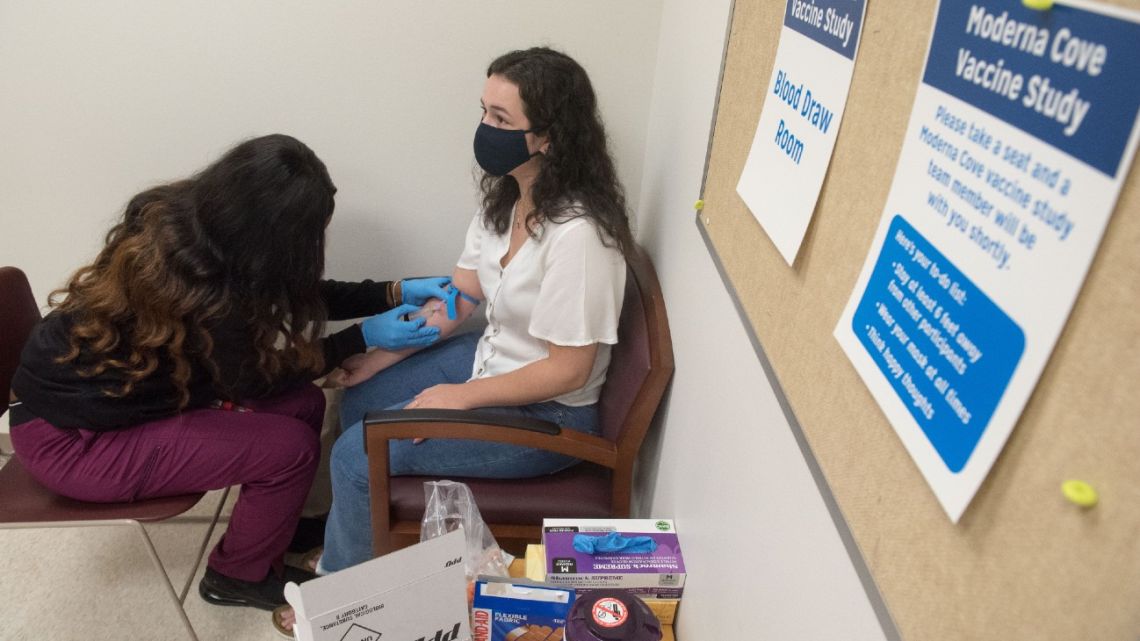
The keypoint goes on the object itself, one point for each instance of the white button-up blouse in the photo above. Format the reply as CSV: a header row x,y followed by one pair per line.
x,y
564,287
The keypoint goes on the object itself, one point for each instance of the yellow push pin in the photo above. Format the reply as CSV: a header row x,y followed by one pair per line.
x,y
699,205
1079,493
1039,5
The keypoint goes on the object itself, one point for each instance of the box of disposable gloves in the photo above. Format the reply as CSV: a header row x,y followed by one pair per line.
x,y
639,555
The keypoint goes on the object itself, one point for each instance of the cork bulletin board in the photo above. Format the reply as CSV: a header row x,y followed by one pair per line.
x,y
1023,563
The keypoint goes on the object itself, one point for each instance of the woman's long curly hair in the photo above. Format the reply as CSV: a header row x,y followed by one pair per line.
x,y
245,237
576,175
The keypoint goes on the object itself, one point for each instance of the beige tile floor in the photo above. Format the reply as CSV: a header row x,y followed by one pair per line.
x,y
91,584
99,584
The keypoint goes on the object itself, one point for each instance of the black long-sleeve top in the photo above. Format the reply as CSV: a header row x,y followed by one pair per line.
x,y
59,394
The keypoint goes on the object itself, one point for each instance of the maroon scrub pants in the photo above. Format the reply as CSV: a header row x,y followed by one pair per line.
x,y
272,451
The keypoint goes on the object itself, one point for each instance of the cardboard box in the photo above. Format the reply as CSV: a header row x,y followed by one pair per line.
x,y
415,594
664,609
657,574
514,609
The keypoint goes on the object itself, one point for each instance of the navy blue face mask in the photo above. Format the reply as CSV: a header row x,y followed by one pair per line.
x,y
499,151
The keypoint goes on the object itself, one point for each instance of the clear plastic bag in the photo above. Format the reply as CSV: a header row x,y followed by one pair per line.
x,y
449,505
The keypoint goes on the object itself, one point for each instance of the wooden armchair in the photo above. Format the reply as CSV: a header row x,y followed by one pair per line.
x,y
599,487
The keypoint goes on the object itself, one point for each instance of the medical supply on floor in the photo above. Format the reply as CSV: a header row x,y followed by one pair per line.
x,y
535,562
413,593
448,506
518,610
611,615
652,566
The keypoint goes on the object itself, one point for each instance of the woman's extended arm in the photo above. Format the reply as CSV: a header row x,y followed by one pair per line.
x,y
361,367
564,370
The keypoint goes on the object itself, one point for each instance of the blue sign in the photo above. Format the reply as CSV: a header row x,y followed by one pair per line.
x,y
945,347
832,23
1067,76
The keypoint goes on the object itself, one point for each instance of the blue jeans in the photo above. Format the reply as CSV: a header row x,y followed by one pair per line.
x,y
348,533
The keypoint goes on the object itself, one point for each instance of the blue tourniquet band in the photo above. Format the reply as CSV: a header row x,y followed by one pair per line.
x,y
453,294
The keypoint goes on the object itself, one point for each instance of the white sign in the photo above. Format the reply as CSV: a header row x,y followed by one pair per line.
x,y
1022,131
415,594
784,172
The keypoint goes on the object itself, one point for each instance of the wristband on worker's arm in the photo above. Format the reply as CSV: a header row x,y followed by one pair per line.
x,y
393,295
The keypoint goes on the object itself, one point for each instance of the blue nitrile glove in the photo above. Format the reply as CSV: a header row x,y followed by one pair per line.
x,y
614,542
417,291
387,331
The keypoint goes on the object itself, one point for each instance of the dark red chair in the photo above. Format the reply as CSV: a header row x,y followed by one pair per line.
x,y
24,503
599,487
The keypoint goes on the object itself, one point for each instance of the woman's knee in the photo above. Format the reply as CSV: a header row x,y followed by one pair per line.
x,y
296,441
304,401
313,398
307,403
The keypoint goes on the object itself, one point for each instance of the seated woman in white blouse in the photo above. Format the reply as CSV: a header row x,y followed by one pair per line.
x,y
545,255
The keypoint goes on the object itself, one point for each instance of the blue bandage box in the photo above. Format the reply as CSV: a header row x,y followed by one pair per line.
x,y
511,610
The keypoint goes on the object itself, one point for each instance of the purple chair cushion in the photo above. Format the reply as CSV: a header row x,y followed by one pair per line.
x,y
581,491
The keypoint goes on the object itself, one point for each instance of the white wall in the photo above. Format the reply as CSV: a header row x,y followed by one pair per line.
x,y
764,558
99,100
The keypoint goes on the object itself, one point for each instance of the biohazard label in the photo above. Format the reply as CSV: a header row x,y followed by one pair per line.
x,y
610,613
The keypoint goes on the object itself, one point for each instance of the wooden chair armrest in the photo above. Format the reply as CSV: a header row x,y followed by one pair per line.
x,y
479,417
486,426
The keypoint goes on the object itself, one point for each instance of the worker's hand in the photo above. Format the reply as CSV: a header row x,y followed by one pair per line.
x,y
387,331
358,368
418,291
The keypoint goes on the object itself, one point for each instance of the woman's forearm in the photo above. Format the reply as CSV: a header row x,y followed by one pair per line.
x,y
564,370
361,367
539,381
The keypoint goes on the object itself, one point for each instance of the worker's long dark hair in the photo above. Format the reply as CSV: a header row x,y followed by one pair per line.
x,y
576,175
244,239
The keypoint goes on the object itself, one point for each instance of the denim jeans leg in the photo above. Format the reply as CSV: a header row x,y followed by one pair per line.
x,y
449,361
348,531
488,459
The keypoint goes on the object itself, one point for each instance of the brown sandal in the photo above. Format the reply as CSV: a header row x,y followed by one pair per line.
x,y
308,562
310,559
279,623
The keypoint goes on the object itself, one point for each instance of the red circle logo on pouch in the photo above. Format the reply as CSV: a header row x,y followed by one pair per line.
x,y
610,612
